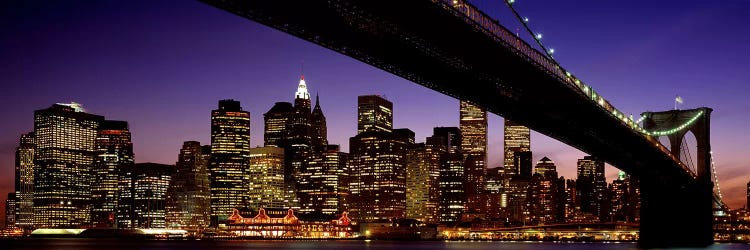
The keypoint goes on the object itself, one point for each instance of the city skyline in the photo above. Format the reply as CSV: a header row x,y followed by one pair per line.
x,y
270,78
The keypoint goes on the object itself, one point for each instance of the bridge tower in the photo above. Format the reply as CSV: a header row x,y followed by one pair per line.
x,y
678,215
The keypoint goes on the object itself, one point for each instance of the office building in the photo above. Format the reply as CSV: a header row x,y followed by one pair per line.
x,y
114,149
189,194
142,198
374,113
64,152
517,138
266,178
230,159
473,127
24,181
591,186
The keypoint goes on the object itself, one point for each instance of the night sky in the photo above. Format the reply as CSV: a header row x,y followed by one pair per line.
x,y
163,65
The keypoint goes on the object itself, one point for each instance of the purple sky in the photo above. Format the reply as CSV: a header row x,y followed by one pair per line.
x,y
163,66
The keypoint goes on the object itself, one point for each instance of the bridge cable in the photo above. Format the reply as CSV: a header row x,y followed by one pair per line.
x,y
687,156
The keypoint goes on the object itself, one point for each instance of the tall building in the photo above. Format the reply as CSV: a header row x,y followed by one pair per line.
x,y
452,177
301,127
619,197
324,186
319,128
522,164
517,138
189,193
422,175
747,206
473,126
63,155
266,174
543,193
572,207
591,185
230,157
378,175
114,149
142,198
11,205
277,120
374,113
24,181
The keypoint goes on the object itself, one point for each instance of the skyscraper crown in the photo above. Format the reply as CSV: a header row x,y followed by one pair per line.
x,y
302,89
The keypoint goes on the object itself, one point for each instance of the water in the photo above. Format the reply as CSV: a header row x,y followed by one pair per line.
x,y
113,244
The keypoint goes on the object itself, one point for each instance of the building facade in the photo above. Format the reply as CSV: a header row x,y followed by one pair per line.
x,y
114,149
266,177
517,138
230,157
142,199
591,186
63,156
189,193
374,113
24,182
324,186
378,175
473,126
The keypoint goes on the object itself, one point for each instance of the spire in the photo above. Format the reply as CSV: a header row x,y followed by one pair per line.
x,y
317,101
302,89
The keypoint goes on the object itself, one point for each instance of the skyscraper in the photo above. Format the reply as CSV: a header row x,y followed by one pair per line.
x,y
591,185
374,113
24,181
619,197
301,128
230,152
11,203
63,155
543,194
473,126
319,128
378,175
324,186
114,149
189,193
517,138
142,198
277,124
422,173
452,177
266,176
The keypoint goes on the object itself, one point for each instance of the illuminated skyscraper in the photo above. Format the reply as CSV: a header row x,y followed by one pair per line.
x,y
452,177
266,176
230,152
473,126
517,138
277,124
319,128
189,194
142,197
543,193
11,203
378,175
301,127
324,186
64,153
25,181
591,185
374,113
114,149
422,175
619,197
